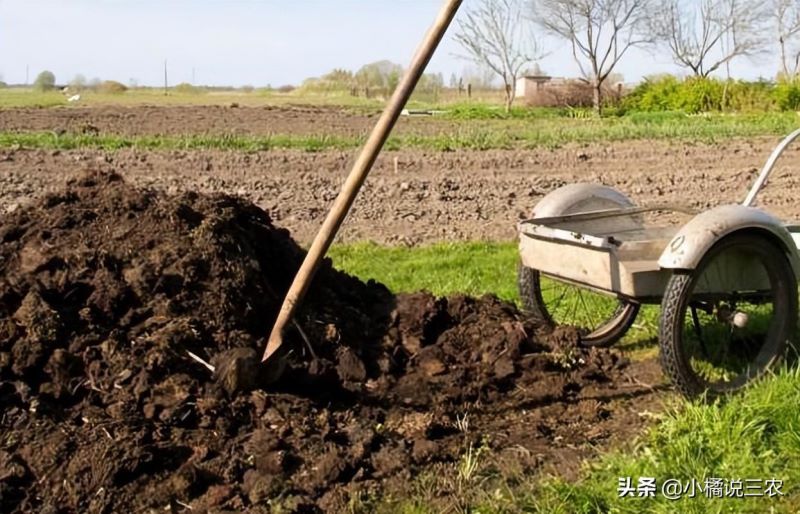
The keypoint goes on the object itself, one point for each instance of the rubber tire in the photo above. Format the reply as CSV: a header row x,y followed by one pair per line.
x,y
673,306
530,292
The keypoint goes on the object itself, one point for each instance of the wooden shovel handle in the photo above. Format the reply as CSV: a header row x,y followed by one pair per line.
x,y
358,174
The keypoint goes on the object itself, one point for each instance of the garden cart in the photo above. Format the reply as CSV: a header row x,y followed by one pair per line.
x,y
725,278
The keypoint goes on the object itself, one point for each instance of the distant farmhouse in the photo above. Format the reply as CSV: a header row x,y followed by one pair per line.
x,y
541,90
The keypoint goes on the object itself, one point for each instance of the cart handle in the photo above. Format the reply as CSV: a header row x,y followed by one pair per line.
x,y
610,213
762,177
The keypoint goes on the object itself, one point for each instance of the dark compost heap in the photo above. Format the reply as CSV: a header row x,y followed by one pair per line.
x,y
104,291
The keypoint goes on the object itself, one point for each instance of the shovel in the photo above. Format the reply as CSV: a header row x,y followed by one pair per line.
x,y
358,174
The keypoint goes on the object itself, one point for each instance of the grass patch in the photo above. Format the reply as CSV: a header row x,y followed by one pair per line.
x,y
26,97
443,269
459,140
70,141
753,435
451,136
482,111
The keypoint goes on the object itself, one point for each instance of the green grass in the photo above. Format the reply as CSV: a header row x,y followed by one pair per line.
x,y
483,135
443,269
69,141
26,97
473,140
752,435
483,111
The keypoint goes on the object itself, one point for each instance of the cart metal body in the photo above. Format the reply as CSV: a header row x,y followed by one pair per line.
x,y
615,252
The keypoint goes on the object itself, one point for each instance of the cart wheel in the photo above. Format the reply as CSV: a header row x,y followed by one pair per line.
x,y
728,321
602,320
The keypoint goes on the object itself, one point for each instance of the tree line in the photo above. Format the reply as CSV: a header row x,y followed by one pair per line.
x,y
376,79
702,36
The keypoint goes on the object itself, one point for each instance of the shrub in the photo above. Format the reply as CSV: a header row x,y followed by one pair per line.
x,y
653,94
186,88
45,81
338,81
787,95
112,87
750,96
699,94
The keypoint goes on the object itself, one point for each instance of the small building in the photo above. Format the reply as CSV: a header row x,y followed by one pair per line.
x,y
531,85
541,90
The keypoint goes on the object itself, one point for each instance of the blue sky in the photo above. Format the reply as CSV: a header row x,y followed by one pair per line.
x,y
238,42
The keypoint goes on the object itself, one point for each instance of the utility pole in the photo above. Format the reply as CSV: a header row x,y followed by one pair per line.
x,y
166,83
27,74
193,82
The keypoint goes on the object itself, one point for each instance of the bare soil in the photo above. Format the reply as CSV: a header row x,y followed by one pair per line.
x,y
210,119
429,196
105,288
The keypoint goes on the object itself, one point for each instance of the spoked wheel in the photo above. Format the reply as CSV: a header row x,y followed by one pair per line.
x,y
602,320
729,320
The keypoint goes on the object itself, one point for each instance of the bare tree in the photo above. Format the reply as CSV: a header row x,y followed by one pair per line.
x,y
493,35
706,34
785,15
600,32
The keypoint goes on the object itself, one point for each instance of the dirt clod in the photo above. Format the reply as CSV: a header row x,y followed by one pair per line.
x,y
237,369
